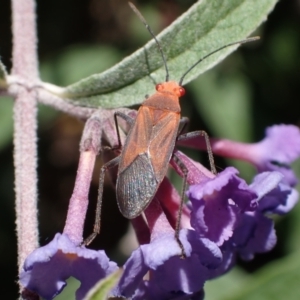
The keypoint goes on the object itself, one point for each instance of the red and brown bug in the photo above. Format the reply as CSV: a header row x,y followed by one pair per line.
x,y
149,146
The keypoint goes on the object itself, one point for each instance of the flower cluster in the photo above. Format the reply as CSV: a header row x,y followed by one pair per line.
x,y
225,218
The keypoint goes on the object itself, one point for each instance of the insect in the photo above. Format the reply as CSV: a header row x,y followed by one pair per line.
x,y
149,146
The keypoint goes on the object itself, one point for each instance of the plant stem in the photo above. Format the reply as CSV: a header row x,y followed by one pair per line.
x,y
25,66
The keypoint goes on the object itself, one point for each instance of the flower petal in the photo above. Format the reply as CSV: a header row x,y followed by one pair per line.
x,y
47,268
170,276
274,196
255,235
280,147
216,204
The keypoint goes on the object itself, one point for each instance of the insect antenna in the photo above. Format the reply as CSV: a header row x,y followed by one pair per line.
x,y
143,20
251,39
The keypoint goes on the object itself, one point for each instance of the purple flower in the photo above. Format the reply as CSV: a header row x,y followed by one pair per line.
x,y
170,276
274,196
227,211
225,218
275,152
217,204
255,232
46,269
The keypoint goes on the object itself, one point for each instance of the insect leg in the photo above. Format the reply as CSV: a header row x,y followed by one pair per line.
x,y
184,121
127,119
112,163
203,133
184,171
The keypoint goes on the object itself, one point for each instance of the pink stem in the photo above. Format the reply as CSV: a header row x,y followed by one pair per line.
x,y
196,172
170,201
79,200
225,148
157,220
141,230
25,66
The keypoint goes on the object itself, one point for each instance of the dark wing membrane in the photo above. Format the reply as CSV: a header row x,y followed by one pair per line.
x,y
136,187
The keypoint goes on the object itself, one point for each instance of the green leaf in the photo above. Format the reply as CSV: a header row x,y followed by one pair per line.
x,y
226,285
70,289
206,26
78,61
293,241
6,121
279,280
3,75
222,99
224,103
101,290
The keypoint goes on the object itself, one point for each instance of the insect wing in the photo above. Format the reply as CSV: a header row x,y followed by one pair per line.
x,y
162,142
135,187
137,140
143,165
136,179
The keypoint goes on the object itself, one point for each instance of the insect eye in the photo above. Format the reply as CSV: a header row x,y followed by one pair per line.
x,y
159,87
181,91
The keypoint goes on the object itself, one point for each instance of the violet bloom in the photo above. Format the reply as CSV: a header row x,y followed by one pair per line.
x,y
218,202
47,268
168,275
275,152
222,210
255,232
275,197
225,210
225,218
279,148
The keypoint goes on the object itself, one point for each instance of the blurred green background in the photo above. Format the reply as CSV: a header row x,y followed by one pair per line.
x,y
255,87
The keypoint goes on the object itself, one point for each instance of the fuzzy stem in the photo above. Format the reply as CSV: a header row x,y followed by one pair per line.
x,y
25,66
224,147
79,200
90,146
25,63
64,105
157,220
197,172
